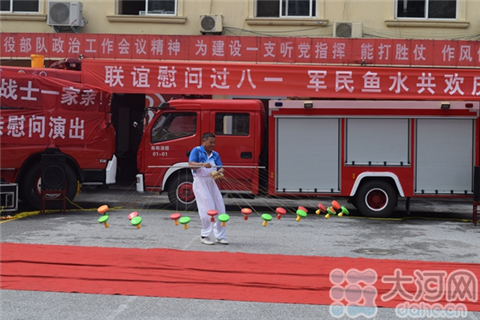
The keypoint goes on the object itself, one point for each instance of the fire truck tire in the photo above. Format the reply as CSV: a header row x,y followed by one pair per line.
x,y
180,192
376,198
31,187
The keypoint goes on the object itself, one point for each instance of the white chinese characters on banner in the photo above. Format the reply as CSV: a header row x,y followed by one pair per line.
x,y
355,51
166,77
9,89
334,82
35,126
16,126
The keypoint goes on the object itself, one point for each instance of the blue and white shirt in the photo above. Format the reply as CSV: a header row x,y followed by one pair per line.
x,y
198,154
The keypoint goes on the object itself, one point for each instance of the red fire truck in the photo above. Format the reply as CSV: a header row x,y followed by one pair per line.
x,y
49,115
370,151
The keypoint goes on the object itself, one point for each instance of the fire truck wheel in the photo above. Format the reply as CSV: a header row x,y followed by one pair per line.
x,y
180,192
32,182
376,198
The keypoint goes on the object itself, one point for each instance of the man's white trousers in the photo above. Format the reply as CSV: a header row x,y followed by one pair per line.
x,y
208,197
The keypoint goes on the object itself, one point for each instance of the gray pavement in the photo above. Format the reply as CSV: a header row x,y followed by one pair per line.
x,y
436,230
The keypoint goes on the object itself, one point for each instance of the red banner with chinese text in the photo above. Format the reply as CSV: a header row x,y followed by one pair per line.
x,y
38,91
55,127
362,51
39,110
246,79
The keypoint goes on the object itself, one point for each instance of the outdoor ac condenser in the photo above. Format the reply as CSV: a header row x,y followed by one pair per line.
x,y
65,14
212,23
347,29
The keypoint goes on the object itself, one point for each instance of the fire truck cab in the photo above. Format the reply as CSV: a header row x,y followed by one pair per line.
x,y
177,127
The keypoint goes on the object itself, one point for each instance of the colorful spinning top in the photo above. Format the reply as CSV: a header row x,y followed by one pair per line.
x,y
280,212
175,217
132,215
136,221
102,209
223,218
335,205
104,219
184,221
330,211
303,209
246,212
266,217
344,211
212,214
321,209
336,209
301,214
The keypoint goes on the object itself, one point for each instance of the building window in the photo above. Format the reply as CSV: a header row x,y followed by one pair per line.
x,y
19,5
286,8
427,9
147,7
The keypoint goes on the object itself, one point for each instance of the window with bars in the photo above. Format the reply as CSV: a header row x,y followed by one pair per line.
x,y
427,9
285,8
19,6
147,7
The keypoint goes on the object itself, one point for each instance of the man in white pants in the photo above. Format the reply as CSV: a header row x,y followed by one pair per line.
x,y
204,160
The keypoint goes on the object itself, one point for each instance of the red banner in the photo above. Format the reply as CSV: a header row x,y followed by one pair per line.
x,y
176,77
45,110
31,91
70,75
54,127
362,51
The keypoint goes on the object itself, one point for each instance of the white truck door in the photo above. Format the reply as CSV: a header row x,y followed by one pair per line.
x,y
307,154
444,156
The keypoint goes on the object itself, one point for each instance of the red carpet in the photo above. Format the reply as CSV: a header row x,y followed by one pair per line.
x,y
202,275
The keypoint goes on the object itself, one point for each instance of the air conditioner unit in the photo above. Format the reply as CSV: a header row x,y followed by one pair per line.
x,y
347,29
65,14
212,23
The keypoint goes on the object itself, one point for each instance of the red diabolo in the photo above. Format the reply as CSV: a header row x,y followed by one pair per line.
x,y
280,212
303,209
175,217
246,212
212,213
132,215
